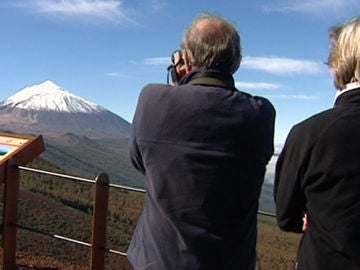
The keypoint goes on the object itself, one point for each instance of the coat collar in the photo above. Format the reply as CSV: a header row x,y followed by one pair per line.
x,y
208,77
351,94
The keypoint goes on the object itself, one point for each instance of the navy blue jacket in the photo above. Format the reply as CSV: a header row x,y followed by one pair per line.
x,y
318,172
203,150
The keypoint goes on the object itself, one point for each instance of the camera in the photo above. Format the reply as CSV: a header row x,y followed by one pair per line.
x,y
177,62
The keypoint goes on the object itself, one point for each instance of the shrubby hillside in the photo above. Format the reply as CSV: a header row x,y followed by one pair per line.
x,y
51,206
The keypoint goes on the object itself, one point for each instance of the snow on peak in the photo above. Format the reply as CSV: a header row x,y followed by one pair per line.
x,y
49,96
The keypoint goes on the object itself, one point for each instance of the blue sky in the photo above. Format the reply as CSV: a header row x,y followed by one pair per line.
x,y
106,50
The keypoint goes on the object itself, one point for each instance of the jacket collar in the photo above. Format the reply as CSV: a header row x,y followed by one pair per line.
x,y
208,77
349,95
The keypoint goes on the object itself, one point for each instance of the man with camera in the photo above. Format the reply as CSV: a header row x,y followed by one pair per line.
x,y
203,146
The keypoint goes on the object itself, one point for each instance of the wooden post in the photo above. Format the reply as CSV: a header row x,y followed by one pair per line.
x,y
11,196
99,222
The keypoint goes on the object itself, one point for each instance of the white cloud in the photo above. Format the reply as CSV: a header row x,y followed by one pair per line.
x,y
298,97
282,66
157,5
116,74
313,6
106,10
256,85
158,61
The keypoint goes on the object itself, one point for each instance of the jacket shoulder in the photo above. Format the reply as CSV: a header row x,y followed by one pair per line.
x,y
154,87
316,121
264,104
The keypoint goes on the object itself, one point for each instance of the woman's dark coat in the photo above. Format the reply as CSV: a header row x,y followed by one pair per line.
x,y
318,172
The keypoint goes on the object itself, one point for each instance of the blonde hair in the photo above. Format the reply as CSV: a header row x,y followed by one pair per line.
x,y
344,57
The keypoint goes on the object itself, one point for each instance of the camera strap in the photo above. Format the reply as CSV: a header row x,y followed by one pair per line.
x,y
212,78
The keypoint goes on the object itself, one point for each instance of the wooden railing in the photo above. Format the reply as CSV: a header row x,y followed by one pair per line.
x,y
99,219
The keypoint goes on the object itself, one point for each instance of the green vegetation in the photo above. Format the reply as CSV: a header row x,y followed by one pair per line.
x,y
50,205
92,156
276,249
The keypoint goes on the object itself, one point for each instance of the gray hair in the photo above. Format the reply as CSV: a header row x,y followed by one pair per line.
x,y
213,45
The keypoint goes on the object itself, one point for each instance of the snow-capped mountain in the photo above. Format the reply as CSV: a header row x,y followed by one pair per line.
x,y
79,135
48,96
48,109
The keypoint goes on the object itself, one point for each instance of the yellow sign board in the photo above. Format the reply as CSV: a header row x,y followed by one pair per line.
x,y
25,148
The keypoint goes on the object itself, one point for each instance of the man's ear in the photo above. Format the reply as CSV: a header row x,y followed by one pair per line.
x,y
187,63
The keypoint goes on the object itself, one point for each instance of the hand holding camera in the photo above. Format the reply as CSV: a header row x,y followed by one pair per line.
x,y
178,68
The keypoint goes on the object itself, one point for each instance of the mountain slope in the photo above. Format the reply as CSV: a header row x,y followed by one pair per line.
x,y
89,157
